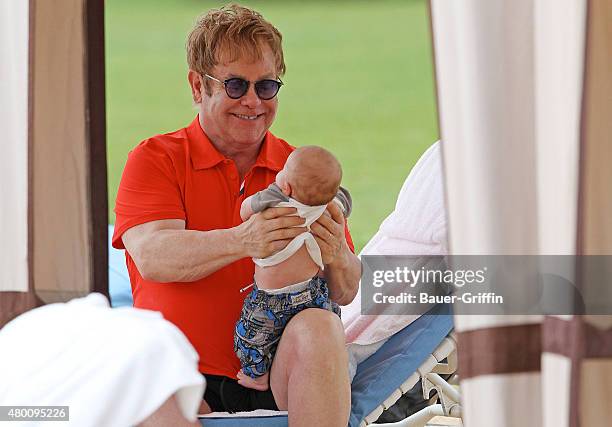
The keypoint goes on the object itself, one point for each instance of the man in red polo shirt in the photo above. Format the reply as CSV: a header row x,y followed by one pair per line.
x,y
188,253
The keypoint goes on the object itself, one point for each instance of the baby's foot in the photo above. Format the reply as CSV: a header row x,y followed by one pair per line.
x,y
259,383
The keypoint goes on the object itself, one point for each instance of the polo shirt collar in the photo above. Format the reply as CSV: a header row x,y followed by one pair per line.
x,y
272,154
204,154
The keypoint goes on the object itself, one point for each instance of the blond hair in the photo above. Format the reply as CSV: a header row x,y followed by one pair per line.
x,y
229,33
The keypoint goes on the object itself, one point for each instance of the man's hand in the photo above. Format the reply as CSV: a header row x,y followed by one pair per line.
x,y
342,267
328,231
268,232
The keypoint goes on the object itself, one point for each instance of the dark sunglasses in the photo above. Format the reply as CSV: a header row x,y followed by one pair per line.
x,y
237,87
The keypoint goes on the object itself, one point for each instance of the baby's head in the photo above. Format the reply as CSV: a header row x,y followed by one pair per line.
x,y
311,175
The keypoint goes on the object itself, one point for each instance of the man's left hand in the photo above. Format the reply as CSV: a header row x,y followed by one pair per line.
x,y
328,231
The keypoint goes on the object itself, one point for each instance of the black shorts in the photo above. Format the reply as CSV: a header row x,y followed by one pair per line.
x,y
224,394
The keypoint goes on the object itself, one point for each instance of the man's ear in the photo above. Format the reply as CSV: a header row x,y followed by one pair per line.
x,y
195,82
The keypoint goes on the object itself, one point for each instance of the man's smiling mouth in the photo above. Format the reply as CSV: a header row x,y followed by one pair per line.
x,y
247,117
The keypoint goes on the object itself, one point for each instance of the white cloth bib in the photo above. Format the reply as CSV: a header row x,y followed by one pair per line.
x,y
310,214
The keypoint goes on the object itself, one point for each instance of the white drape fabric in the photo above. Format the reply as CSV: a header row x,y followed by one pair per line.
x,y
14,160
417,226
511,93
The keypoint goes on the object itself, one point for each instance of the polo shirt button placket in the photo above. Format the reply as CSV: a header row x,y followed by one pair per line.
x,y
243,184
233,177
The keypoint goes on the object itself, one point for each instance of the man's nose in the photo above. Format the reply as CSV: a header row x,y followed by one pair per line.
x,y
250,99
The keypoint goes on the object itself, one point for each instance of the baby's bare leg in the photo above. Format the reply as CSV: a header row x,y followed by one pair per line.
x,y
260,383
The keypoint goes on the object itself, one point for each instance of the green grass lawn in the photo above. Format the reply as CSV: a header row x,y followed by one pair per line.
x,y
359,81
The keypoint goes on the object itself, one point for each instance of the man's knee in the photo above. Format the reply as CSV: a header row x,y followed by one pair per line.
x,y
315,332
312,349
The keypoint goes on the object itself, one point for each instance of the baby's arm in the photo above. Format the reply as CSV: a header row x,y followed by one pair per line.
x,y
261,201
245,209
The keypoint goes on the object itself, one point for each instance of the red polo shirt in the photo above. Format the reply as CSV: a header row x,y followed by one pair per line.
x,y
181,175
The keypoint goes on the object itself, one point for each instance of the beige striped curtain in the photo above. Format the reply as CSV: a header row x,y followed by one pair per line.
x,y
53,216
525,106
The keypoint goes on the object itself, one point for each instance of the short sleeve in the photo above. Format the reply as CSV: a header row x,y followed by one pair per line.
x,y
267,198
149,189
343,197
348,237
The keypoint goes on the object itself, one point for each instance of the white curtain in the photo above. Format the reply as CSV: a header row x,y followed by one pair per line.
x,y
524,133
14,145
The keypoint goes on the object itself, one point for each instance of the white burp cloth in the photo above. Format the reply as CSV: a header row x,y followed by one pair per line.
x,y
310,214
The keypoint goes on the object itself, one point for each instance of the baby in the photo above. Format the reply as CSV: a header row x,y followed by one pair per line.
x,y
287,282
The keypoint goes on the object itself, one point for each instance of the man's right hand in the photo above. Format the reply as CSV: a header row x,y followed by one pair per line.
x,y
268,232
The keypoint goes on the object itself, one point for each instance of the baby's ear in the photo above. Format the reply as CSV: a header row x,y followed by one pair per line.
x,y
283,183
286,188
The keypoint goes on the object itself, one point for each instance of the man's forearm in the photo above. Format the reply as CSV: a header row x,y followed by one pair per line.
x,y
343,276
164,251
187,255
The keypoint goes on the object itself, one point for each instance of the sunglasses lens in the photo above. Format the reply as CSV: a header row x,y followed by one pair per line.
x,y
267,89
235,88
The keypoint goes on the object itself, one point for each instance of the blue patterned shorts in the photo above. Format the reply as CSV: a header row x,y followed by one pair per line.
x,y
263,320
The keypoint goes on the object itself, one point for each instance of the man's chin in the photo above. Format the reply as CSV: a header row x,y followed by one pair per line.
x,y
248,140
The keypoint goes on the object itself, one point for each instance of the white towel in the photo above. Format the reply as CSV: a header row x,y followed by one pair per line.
x,y
417,226
112,367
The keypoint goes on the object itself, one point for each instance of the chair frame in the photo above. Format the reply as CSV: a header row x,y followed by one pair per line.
x,y
442,361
